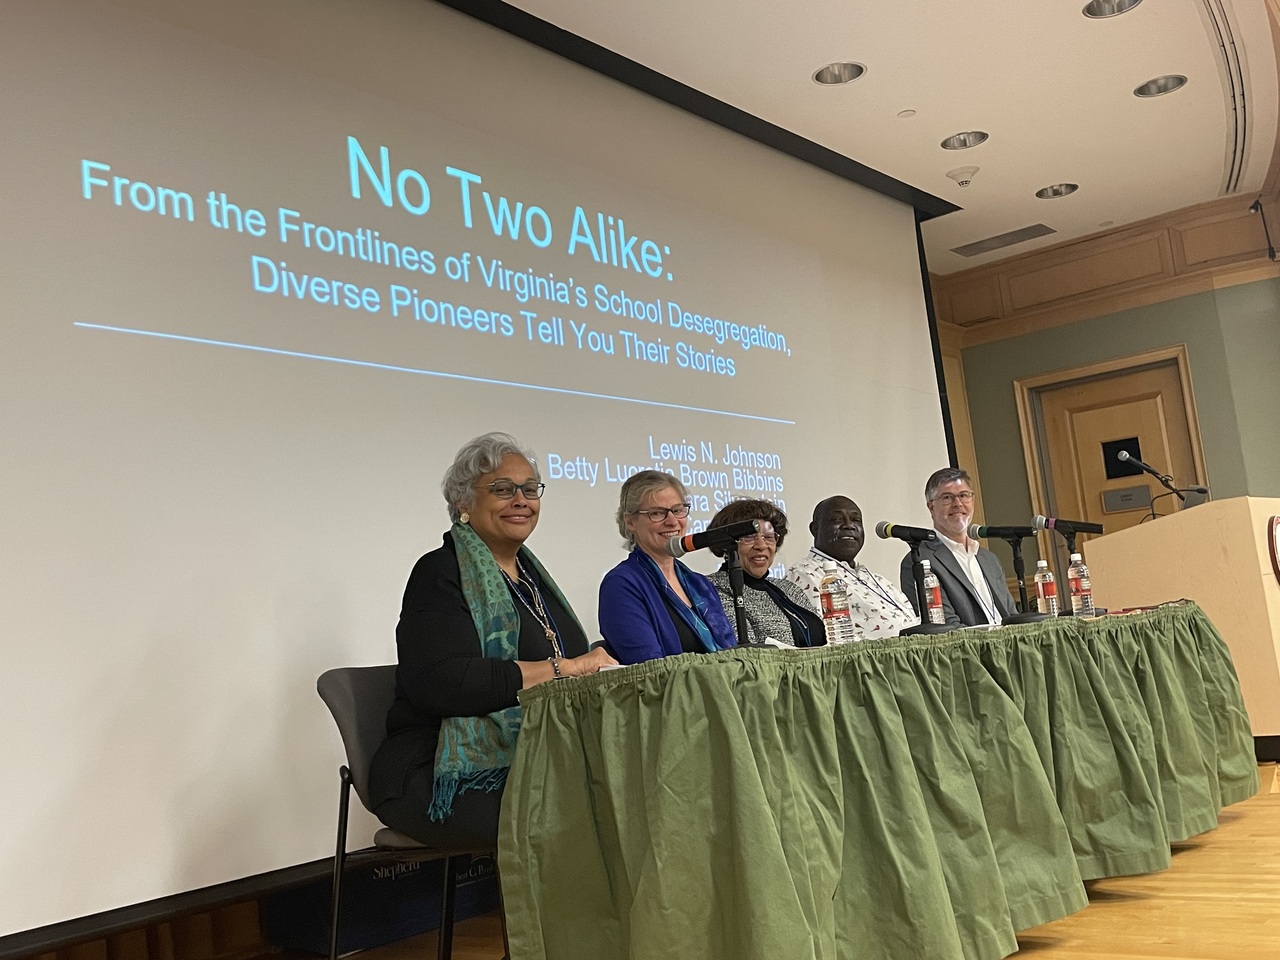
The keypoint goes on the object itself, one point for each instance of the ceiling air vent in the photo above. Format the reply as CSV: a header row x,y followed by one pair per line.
x,y
1004,240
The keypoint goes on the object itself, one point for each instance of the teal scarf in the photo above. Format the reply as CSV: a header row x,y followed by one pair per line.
x,y
474,753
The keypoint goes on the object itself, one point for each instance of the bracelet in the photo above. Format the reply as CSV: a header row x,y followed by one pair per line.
x,y
555,667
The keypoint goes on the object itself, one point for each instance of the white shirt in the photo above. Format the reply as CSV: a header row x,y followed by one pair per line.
x,y
967,557
878,608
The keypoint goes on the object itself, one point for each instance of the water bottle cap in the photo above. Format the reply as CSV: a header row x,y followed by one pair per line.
x,y
1075,556
1042,563
924,564
829,566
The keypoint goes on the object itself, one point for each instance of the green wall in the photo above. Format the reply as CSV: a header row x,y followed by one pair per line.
x,y
1250,319
1233,345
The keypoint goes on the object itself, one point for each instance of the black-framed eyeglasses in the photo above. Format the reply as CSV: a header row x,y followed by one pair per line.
x,y
506,489
658,514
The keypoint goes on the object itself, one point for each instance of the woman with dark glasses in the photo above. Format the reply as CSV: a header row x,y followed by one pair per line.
x,y
776,610
481,620
651,604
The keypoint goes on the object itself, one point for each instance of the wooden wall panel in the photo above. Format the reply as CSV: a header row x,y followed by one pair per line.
x,y
1084,272
1214,244
1220,240
972,303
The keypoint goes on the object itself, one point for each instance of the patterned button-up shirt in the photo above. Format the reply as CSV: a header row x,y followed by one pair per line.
x,y
879,609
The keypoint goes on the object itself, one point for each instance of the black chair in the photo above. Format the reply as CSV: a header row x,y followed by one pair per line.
x,y
359,698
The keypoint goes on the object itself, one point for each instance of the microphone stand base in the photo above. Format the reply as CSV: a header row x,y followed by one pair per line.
x,y
920,629
1026,618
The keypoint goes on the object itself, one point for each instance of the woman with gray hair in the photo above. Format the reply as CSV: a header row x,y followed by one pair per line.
x,y
481,620
651,604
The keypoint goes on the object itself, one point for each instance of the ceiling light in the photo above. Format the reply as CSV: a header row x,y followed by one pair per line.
x,y
963,141
906,114
1107,223
1057,190
1160,86
844,71
1100,9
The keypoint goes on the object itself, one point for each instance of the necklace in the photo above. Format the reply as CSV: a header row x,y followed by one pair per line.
x,y
537,607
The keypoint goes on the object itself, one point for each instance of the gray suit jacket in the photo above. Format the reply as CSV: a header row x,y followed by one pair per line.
x,y
959,599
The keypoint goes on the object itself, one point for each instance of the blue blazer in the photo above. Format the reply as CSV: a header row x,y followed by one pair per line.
x,y
634,619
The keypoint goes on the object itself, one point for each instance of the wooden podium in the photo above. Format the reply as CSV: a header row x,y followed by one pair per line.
x,y
1216,554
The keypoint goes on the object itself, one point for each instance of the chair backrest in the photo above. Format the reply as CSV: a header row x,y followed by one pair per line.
x,y
359,698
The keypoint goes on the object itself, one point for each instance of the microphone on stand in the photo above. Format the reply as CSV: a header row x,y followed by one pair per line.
x,y
885,530
1067,528
1014,536
984,532
717,537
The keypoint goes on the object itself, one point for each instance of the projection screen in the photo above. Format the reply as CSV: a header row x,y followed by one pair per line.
x,y
266,265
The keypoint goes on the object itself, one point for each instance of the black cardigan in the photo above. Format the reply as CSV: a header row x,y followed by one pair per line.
x,y
441,672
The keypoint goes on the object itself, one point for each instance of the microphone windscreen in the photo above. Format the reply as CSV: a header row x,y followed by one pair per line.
x,y
1123,455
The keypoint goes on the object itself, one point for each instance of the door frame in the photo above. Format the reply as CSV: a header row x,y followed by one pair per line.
x,y
1027,391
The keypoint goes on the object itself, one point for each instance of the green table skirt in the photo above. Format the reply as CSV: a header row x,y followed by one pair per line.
x,y
912,797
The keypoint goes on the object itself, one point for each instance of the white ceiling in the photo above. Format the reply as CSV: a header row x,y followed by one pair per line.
x,y
1053,88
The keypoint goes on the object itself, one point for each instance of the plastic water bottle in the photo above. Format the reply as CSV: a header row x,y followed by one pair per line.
x,y
932,595
1080,586
836,618
1046,589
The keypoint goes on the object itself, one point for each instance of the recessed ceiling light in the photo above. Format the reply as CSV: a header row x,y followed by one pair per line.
x,y
1100,9
844,71
1160,86
906,114
963,141
1057,190
1107,223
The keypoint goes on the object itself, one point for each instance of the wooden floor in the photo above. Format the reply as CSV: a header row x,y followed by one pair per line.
x,y
1219,901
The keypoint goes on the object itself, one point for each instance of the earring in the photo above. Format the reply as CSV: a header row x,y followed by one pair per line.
x,y
465,518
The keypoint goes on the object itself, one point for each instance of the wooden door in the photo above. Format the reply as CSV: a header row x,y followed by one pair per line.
x,y
1080,419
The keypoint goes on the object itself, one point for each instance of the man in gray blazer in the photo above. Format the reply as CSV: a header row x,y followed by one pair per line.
x,y
974,590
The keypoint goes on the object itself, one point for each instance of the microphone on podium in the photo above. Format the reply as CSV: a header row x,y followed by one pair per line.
x,y
717,537
1124,456
885,530
985,532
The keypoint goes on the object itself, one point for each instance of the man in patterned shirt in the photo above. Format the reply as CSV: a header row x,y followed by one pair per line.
x,y
879,608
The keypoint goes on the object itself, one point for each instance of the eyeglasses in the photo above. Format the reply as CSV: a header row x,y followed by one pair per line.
x,y
964,496
506,489
658,514
768,539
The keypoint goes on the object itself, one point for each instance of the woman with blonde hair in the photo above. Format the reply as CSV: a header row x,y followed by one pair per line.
x,y
651,604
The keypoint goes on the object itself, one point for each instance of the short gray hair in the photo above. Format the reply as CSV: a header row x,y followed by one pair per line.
x,y
477,457
941,478
638,487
